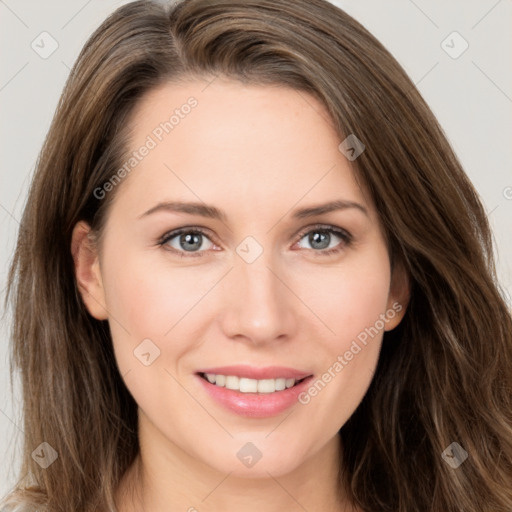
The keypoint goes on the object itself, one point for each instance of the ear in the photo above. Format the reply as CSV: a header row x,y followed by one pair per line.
x,y
399,295
87,270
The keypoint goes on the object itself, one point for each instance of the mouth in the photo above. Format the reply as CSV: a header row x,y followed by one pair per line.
x,y
251,386
254,391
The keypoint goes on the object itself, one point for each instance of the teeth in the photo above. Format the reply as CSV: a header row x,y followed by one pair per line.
x,y
246,385
232,382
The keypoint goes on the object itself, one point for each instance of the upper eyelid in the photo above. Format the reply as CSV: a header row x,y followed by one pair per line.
x,y
178,231
323,227
206,232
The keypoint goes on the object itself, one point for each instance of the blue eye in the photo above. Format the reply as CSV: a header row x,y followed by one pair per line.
x,y
186,241
321,238
195,242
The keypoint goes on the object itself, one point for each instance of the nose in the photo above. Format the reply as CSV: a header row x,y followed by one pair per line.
x,y
259,306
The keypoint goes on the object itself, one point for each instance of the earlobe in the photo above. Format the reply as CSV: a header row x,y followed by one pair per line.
x,y
87,271
398,299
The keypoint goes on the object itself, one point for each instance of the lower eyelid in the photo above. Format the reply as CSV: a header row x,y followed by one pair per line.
x,y
343,235
163,241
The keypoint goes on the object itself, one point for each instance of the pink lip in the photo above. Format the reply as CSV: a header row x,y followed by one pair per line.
x,y
255,405
251,372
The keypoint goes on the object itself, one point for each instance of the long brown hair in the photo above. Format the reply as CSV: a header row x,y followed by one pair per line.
x,y
444,374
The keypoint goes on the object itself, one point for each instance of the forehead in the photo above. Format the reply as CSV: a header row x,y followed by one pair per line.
x,y
221,139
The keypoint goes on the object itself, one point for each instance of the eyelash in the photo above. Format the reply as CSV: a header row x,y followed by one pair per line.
x,y
344,235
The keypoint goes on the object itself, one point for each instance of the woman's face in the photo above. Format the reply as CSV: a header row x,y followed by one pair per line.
x,y
261,275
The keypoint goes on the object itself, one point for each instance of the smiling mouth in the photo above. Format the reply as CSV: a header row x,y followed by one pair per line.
x,y
246,385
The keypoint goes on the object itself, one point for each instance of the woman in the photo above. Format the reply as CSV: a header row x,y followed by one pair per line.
x,y
192,338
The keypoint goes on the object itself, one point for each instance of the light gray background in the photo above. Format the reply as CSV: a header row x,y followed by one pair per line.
x,y
471,96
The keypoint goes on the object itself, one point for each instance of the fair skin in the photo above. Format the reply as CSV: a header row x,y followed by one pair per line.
x,y
258,153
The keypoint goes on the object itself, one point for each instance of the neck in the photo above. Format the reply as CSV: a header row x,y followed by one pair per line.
x,y
164,478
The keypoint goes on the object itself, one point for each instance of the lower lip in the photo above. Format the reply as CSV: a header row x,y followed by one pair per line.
x,y
255,405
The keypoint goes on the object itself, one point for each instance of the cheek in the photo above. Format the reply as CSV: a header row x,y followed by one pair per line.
x,y
149,297
145,301
351,297
352,302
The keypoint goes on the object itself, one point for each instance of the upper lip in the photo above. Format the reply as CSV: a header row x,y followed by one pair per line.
x,y
252,372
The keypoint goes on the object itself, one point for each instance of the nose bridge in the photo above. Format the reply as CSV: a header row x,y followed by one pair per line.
x,y
257,281
259,306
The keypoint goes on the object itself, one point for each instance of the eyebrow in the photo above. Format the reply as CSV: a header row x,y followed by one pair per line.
x,y
212,212
339,204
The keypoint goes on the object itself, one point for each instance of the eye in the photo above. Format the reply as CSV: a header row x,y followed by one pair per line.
x,y
322,239
186,240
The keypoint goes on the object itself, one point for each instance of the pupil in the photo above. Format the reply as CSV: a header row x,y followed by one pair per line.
x,y
193,239
319,237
